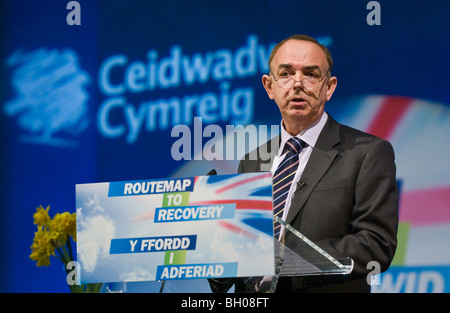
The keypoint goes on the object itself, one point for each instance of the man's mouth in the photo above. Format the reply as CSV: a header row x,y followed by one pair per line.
x,y
298,101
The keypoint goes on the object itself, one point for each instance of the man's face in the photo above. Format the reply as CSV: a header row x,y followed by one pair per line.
x,y
299,107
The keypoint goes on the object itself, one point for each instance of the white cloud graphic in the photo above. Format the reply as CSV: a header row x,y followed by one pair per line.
x,y
137,274
94,232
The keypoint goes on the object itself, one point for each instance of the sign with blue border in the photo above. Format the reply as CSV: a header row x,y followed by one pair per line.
x,y
177,228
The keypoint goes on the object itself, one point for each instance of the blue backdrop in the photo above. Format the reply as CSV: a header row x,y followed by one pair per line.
x,y
98,102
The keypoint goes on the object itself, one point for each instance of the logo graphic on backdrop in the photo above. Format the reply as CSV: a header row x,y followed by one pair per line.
x,y
175,228
51,97
51,100
119,76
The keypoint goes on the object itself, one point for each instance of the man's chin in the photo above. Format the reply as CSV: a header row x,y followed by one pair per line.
x,y
296,113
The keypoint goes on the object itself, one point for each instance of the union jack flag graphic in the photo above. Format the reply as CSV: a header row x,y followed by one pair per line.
x,y
252,196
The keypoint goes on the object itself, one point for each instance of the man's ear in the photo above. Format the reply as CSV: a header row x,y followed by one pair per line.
x,y
331,87
268,84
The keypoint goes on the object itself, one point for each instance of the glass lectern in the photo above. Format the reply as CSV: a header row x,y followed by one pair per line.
x,y
296,255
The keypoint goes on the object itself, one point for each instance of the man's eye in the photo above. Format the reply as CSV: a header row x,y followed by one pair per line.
x,y
313,74
284,74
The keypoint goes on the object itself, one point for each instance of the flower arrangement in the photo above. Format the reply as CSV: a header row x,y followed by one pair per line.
x,y
53,238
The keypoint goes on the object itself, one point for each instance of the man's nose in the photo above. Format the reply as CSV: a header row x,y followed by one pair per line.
x,y
298,83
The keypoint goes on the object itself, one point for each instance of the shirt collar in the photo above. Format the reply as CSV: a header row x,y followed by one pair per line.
x,y
309,135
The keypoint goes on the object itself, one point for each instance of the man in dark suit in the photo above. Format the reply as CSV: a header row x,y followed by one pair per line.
x,y
344,195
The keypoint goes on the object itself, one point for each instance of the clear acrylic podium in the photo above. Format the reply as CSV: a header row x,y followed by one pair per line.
x,y
296,255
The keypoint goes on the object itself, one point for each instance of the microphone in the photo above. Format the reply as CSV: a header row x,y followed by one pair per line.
x,y
300,185
212,172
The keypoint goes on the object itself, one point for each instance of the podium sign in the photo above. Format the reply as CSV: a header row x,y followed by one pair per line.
x,y
176,228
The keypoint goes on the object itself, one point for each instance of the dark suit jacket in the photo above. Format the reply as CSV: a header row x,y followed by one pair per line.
x,y
347,205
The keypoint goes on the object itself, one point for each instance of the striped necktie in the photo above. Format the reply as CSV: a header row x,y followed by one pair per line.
x,y
283,177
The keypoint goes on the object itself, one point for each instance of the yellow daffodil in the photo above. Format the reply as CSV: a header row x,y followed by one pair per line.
x,y
62,226
41,217
42,248
51,235
53,239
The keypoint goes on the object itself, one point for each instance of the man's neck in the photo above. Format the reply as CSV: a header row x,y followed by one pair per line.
x,y
295,128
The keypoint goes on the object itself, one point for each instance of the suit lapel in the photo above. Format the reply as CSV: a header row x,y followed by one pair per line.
x,y
320,160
